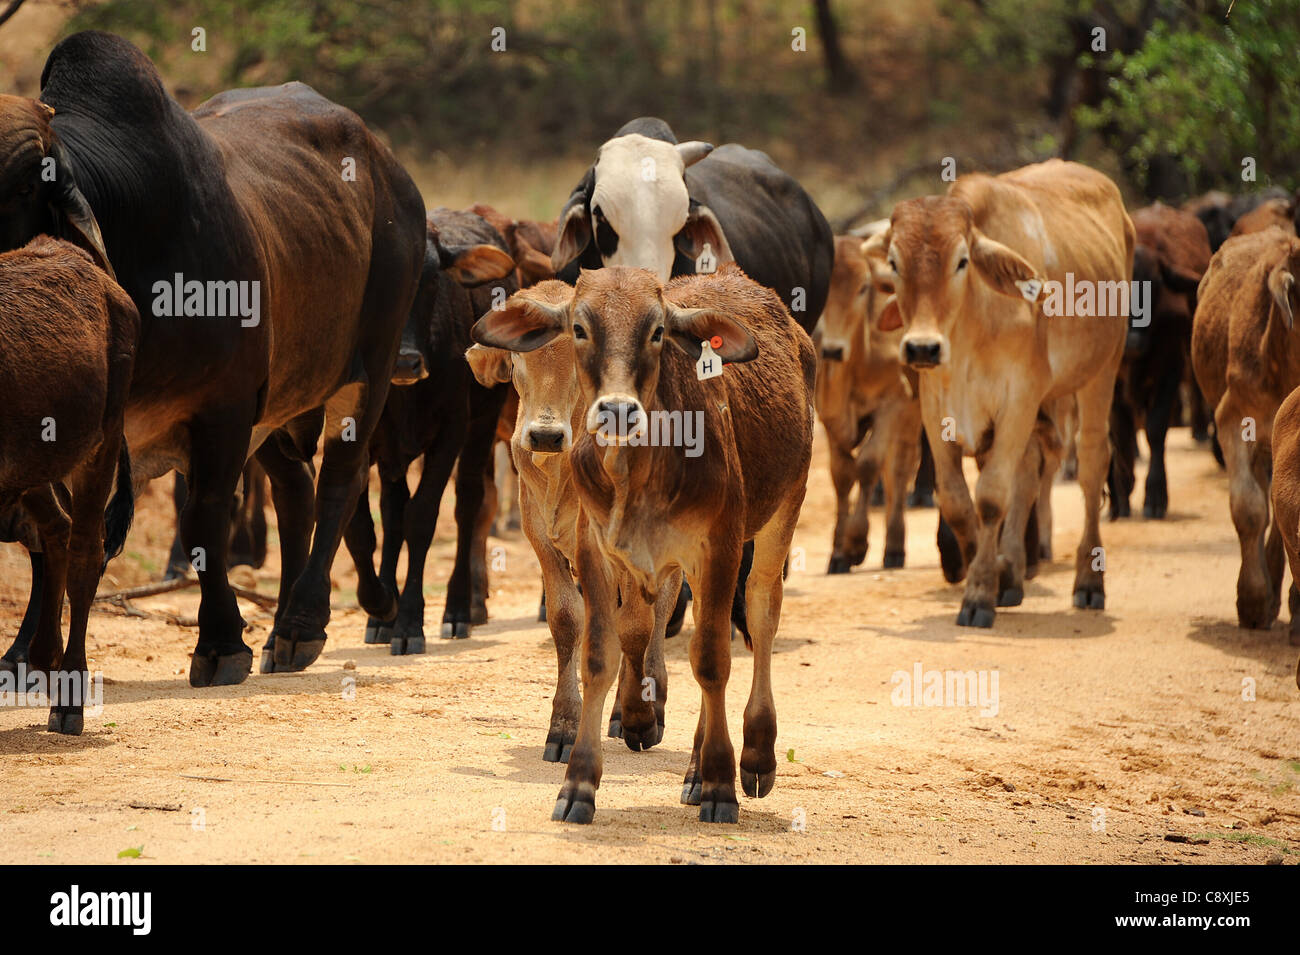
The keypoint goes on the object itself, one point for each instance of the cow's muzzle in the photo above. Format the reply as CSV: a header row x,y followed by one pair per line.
x,y
833,353
922,352
616,419
547,439
410,368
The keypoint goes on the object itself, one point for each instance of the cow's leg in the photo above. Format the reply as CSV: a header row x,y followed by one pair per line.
x,y
507,483
994,492
18,652
923,492
91,486
564,619
217,451
1121,474
353,413
902,439
1156,502
1273,549
420,521
359,538
600,656
710,652
478,567
485,408
957,524
1248,503
763,611
869,461
55,527
1013,556
1053,457
1093,449
844,476
292,494
248,543
643,676
178,562
394,495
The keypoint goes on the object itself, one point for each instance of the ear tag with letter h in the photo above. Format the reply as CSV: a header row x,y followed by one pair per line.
x,y
709,364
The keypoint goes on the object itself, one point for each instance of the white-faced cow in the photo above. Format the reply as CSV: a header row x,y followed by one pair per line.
x,y
1013,292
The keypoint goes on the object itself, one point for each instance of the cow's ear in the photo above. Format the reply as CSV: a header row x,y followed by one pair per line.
x,y
891,319
575,224
476,264
1005,270
876,251
491,366
1281,285
693,151
71,207
534,266
690,326
703,228
526,321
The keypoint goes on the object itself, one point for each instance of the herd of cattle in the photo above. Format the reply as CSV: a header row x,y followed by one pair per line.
x,y
218,292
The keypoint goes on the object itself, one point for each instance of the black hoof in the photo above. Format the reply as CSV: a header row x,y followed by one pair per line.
x,y
719,811
294,653
1011,597
692,790
951,558
838,565
974,615
213,669
574,807
457,630
478,614
378,632
641,740
615,730
1119,508
757,785
893,559
406,646
1086,599
1154,511
920,499
67,721
558,746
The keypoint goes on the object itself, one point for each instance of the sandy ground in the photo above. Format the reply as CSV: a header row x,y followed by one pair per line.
x,y
1113,731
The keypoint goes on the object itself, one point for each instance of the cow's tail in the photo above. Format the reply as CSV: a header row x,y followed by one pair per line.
x,y
738,618
121,509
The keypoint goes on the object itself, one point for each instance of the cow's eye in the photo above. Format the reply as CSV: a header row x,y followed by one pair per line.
x,y
579,333
893,265
658,336
962,264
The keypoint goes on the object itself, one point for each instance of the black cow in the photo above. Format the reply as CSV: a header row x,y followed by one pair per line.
x,y
443,414
292,241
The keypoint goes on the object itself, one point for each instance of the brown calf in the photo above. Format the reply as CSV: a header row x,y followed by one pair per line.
x,y
864,392
650,513
70,336
996,366
1247,361
1285,494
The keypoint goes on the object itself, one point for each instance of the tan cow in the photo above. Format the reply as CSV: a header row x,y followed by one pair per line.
x,y
1286,494
864,392
651,510
550,414
1247,361
1013,293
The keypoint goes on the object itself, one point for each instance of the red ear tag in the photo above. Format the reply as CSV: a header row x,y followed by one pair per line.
x,y
715,342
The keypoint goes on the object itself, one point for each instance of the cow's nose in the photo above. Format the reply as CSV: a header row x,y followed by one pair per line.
x,y
921,354
625,415
410,368
546,440
833,354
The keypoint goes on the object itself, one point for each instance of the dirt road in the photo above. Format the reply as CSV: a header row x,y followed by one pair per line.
x,y
1108,733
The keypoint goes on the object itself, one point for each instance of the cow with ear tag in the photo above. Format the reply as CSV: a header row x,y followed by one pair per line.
x,y
677,208
970,272
675,469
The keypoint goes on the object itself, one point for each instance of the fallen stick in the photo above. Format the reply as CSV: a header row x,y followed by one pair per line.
x,y
180,583
274,782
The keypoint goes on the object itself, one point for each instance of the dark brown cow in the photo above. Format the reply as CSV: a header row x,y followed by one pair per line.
x,y
1247,361
651,512
275,196
70,336
1172,253
1285,495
